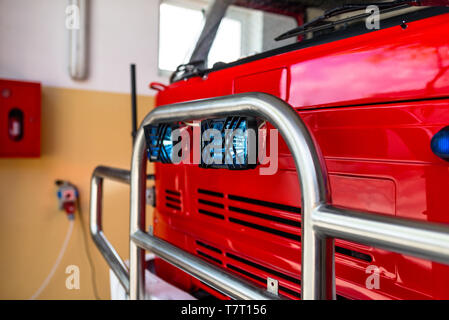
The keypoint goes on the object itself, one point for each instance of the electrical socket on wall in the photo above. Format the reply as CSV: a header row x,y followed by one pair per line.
x,y
150,196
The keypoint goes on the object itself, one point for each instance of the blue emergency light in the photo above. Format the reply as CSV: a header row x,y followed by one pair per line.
x,y
159,142
237,139
440,143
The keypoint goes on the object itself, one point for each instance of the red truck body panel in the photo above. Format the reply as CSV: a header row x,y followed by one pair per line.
x,y
372,103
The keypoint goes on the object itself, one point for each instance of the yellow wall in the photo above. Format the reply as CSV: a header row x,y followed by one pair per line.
x,y
80,130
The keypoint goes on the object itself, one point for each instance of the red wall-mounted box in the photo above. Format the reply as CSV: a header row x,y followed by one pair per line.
x,y
20,119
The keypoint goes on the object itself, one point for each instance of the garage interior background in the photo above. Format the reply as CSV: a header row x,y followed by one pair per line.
x,y
84,124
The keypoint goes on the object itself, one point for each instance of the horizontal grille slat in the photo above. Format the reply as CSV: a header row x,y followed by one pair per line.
x,y
211,203
174,193
173,206
208,246
263,203
211,214
353,254
209,257
266,229
261,280
211,193
249,274
266,216
263,268
290,292
173,199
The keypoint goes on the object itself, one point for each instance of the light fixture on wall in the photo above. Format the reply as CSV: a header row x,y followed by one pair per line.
x,y
76,23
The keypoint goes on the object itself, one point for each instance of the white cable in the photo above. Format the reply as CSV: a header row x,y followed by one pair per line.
x,y
57,262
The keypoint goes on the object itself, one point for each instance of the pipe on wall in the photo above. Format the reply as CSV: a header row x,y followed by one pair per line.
x,y
76,23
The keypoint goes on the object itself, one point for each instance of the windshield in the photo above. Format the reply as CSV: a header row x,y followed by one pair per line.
x,y
235,29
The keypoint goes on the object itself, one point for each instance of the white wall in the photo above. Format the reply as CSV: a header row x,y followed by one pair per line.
x,y
34,43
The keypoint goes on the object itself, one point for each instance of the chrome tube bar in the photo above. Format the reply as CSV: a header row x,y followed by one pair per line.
x,y
96,228
424,240
211,275
317,276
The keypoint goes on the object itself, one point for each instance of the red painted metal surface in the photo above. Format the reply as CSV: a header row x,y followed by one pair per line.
x,y
372,102
23,98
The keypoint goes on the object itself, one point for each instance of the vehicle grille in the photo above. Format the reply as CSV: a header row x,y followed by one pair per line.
x,y
276,219
173,200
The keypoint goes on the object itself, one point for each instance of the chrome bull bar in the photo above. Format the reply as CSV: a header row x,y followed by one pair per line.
x,y
321,222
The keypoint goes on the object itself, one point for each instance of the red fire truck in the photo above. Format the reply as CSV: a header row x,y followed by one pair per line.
x,y
374,103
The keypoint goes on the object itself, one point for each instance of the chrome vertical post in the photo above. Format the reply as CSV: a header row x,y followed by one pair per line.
x,y
137,216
